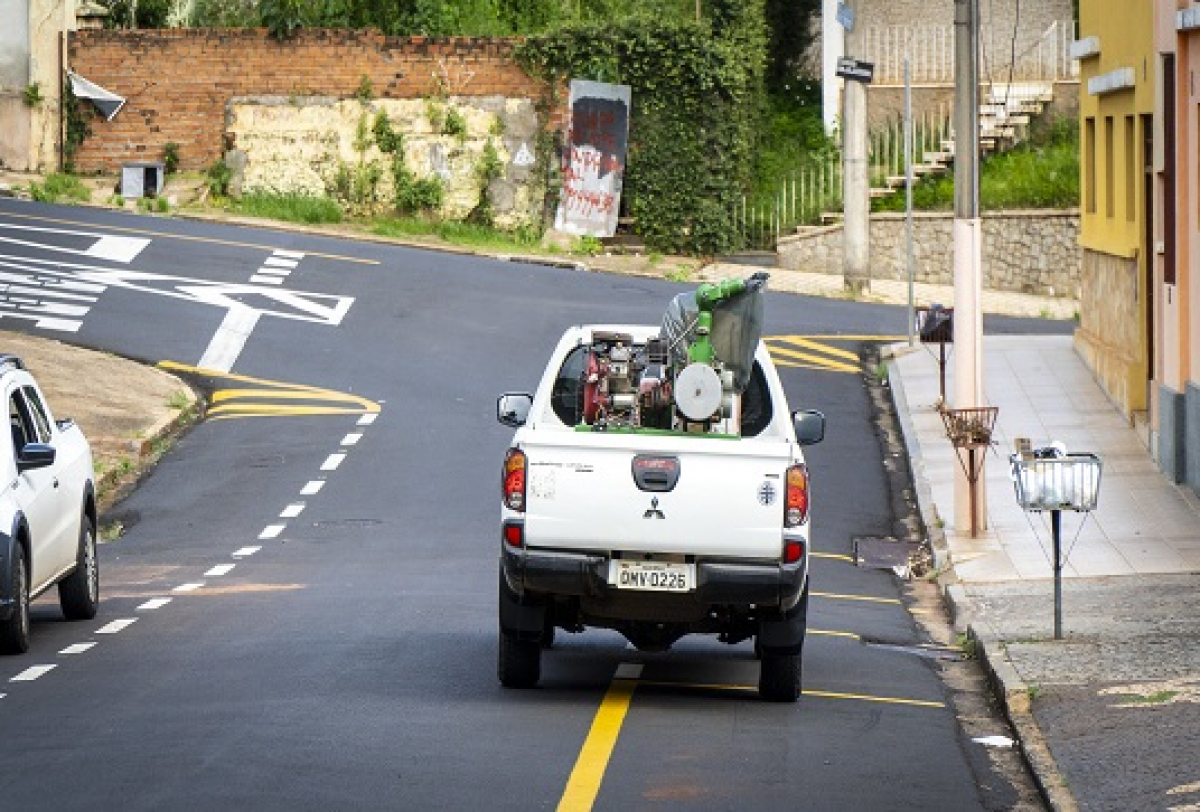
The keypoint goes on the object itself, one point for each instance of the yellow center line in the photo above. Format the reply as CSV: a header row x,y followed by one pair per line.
x,y
885,700
855,598
584,783
825,633
188,238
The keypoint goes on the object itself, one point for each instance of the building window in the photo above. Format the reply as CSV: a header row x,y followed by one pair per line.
x,y
1089,164
1131,152
1110,175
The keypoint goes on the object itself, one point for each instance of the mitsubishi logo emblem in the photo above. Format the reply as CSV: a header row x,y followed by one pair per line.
x,y
653,512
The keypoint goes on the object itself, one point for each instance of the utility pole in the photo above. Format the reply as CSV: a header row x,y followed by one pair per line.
x,y
856,192
968,319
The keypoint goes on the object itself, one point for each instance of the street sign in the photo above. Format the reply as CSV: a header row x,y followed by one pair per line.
x,y
855,70
845,16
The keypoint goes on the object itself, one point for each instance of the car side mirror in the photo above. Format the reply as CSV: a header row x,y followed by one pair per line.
x,y
512,408
809,425
35,455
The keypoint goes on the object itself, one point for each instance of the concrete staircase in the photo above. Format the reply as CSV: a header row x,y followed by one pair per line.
x,y
1005,113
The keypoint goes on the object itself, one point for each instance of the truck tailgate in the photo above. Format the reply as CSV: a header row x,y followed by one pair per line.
x,y
727,501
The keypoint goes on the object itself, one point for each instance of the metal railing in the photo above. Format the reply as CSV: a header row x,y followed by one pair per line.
x,y
930,50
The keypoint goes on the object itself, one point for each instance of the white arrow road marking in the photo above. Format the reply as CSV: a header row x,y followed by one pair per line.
x,y
32,673
106,246
229,340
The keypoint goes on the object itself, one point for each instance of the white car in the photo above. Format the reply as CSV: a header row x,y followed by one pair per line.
x,y
47,510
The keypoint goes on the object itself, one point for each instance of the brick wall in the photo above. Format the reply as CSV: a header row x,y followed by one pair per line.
x,y
178,82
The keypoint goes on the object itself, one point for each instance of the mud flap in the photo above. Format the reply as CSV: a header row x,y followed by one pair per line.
x,y
784,634
520,617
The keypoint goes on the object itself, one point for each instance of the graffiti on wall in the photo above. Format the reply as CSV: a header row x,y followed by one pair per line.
x,y
594,160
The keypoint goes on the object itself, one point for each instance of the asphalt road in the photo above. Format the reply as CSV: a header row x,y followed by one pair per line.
x,y
300,613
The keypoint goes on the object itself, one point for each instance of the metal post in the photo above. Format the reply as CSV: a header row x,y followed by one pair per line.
x,y
1056,530
856,189
968,321
908,198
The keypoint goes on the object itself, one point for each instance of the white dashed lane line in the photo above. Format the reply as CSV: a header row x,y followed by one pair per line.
x,y
117,626
33,672
282,263
155,603
77,648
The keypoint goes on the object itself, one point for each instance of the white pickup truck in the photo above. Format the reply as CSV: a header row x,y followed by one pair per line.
x,y
656,486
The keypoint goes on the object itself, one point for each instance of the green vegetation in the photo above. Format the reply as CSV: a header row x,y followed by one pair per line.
x,y
296,208
470,235
60,188
171,157
1040,173
218,177
33,94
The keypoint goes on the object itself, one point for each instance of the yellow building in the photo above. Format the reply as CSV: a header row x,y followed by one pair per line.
x,y
1118,79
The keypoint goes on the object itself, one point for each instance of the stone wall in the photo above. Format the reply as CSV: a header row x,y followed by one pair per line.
x,y
179,82
1110,337
299,145
1023,251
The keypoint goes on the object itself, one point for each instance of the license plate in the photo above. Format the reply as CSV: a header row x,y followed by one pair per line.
x,y
652,576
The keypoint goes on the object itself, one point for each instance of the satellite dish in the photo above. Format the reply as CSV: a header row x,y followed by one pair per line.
x,y
698,392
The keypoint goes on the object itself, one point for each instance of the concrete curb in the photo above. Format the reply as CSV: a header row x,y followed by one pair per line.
x,y
1006,683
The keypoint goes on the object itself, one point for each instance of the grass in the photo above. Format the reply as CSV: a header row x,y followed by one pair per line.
x,y
1041,173
468,235
1157,698
178,401
60,188
294,208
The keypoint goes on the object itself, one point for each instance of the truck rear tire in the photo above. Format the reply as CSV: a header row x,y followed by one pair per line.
x,y
779,677
518,662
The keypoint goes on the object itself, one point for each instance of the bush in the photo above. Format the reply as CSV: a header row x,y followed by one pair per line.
x,y
295,208
60,187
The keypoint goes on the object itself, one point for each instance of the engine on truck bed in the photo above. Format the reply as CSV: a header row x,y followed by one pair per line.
x,y
687,379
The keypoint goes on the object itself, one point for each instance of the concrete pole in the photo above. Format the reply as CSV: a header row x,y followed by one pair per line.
x,y
856,191
968,318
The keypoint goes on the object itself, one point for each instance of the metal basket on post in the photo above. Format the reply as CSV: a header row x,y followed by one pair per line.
x,y
1056,483
970,430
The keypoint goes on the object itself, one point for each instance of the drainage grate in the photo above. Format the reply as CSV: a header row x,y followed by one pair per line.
x,y
880,553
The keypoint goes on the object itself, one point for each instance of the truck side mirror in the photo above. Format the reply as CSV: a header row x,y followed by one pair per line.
x,y
512,408
809,425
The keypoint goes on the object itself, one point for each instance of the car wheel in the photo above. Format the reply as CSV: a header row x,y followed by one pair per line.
x,y
779,677
518,662
14,632
79,592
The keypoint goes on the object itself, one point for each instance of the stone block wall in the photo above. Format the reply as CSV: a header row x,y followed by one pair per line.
x,y
1110,336
1023,251
179,82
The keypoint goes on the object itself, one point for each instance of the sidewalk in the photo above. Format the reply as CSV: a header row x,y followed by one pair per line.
x,y
1109,716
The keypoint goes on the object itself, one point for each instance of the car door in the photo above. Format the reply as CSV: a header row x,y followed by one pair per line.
x,y
38,492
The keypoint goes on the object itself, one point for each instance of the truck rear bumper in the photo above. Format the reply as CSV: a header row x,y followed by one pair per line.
x,y
548,572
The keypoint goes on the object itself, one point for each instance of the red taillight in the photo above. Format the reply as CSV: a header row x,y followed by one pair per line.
x,y
514,535
795,506
514,480
793,551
